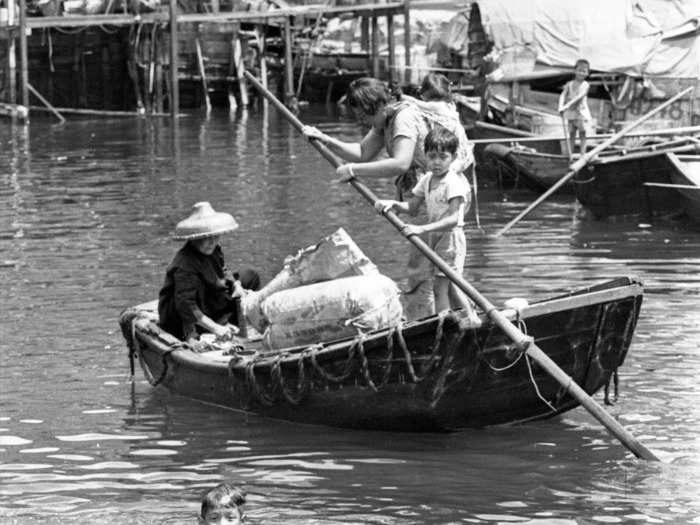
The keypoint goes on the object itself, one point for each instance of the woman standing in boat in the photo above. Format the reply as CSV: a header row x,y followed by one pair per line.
x,y
199,293
399,127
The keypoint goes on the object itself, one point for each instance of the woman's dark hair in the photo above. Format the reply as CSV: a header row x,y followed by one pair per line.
x,y
441,139
435,86
368,94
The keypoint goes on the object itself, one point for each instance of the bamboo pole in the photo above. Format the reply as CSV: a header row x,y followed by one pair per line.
x,y
24,59
407,40
375,47
174,85
586,157
12,54
523,342
203,74
529,137
391,45
46,103
289,97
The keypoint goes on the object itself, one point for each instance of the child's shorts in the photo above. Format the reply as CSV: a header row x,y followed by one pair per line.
x,y
577,124
451,246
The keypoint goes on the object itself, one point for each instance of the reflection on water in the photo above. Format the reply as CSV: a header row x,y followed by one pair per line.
x,y
84,221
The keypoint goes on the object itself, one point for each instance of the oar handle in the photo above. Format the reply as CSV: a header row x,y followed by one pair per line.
x,y
524,343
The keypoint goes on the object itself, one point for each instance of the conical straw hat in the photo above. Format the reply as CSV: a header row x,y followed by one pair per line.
x,y
204,222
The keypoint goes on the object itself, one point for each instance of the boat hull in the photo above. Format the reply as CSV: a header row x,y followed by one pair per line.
x,y
686,172
437,374
617,186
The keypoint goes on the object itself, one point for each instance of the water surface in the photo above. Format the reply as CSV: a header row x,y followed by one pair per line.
x,y
85,213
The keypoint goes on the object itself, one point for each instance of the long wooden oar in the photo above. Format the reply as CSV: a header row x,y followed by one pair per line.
x,y
585,158
523,342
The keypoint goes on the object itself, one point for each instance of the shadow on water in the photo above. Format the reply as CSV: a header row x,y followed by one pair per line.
x,y
85,213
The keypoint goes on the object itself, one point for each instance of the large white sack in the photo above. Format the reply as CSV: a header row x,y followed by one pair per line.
x,y
331,310
333,257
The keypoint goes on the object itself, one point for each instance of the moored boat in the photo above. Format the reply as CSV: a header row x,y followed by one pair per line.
x,y
616,182
439,373
686,178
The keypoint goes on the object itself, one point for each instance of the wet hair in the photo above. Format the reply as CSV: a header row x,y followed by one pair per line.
x,y
435,86
368,94
441,139
584,62
223,496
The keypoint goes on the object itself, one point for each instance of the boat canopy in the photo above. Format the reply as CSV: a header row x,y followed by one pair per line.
x,y
641,38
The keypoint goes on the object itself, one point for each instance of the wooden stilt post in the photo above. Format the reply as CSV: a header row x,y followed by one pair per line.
x,y
24,86
407,41
290,99
239,65
11,55
232,104
174,87
203,74
158,70
390,42
364,33
375,47
262,47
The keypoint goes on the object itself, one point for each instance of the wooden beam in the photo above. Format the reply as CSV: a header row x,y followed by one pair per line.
x,y
375,47
391,45
407,40
174,84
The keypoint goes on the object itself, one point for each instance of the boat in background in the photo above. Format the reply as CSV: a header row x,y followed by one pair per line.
x,y
522,165
686,180
440,373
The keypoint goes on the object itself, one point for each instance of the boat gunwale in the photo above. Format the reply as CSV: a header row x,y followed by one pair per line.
x,y
148,331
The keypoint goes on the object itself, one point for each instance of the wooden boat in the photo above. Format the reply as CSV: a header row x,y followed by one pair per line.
x,y
439,373
527,166
686,178
613,183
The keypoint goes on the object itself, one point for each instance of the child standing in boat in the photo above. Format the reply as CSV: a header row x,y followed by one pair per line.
x,y
446,194
577,115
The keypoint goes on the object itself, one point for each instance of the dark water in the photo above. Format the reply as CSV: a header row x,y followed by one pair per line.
x,y
85,212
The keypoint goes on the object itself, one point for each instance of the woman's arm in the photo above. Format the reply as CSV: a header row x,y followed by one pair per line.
x,y
209,324
392,166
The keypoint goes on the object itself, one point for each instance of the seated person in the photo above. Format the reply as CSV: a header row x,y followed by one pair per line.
x,y
199,293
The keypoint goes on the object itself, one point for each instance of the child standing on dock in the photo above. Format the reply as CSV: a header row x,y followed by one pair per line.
x,y
446,194
577,114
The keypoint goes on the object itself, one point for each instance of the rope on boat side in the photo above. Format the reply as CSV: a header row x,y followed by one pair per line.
x,y
302,387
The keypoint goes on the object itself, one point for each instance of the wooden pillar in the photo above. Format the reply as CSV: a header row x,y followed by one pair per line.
x,y
407,40
290,99
174,87
262,47
11,55
390,42
364,33
239,66
158,80
24,84
375,47
106,80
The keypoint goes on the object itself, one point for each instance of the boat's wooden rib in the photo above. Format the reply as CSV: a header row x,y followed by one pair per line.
x,y
435,374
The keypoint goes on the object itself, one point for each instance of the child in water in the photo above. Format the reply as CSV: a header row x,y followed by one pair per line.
x,y
577,115
446,194
223,505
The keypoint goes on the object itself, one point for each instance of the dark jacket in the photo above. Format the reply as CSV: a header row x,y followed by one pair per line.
x,y
193,280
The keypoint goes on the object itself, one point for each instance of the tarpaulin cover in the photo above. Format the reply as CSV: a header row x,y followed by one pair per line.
x,y
654,38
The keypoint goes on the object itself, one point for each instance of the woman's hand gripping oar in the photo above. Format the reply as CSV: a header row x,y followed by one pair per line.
x,y
523,342
585,158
